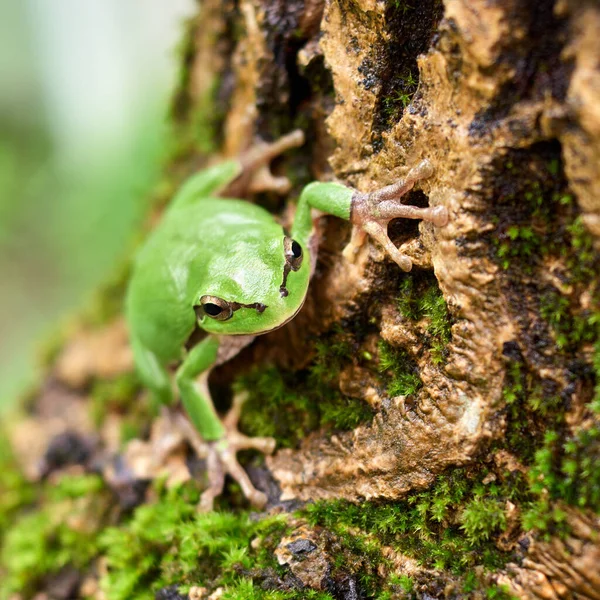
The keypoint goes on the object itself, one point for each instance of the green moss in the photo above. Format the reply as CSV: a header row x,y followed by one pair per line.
x,y
244,589
595,405
401,6
583,257
567,468
61,531
170,543
449,526
408,300
15,491
538,224
70,487
424,300
536,216
164,543
274,408
287,405
527,410
402,372
521,243
499,592
570,329
399,99
404,582
545,518
482,517
116,394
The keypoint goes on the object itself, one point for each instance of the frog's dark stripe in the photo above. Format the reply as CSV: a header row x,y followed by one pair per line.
x,y
257,305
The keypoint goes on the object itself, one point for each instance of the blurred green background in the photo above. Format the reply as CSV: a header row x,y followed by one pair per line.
x,y
84,90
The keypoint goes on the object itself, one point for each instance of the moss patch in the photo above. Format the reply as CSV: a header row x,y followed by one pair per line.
x,y
61,531
401,371
550,280
168,543
289,404
452,526
15,491
536,215
164,545
566,468
422,299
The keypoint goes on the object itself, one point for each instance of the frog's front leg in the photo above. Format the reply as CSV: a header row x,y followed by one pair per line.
x,y
222,437
369,213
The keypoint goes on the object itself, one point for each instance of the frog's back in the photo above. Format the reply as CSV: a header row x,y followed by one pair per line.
x,y
174,263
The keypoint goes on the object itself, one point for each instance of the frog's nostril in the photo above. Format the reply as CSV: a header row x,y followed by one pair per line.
x,y
284,293
260,307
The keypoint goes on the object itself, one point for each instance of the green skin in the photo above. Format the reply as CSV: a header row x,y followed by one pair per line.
x,y
225,248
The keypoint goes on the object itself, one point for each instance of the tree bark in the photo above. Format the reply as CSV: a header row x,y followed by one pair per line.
x,y
503,99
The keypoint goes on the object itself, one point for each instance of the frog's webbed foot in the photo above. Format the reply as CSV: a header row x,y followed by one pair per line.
x,y
256,174
221,459
372,212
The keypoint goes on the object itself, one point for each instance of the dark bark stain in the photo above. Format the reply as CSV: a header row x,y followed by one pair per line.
x,y
412,27
540,68
544,271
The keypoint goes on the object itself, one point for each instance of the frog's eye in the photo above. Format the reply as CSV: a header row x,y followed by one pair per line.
x,y
215,308
293,253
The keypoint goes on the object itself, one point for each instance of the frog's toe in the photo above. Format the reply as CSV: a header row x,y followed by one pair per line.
x,y
439,216
228,456
266,445
378,232
355,244
258,499
423,170
207,500
222,460
255,164
264,181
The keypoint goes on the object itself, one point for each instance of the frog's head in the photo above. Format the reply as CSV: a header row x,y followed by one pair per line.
x,y
258,285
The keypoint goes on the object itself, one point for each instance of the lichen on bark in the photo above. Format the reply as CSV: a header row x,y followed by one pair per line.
x,y
438,432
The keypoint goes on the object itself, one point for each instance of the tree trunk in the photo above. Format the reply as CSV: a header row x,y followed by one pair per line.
x,y
445,421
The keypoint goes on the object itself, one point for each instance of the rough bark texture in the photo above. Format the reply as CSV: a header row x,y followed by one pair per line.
x,y
503,98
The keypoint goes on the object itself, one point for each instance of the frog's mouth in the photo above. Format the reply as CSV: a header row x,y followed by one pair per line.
x,y
290,318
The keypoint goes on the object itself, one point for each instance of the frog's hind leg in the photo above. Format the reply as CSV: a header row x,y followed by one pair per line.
x,y
221,459
372,212
237,441
220,438
256,175
221,456
153,373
